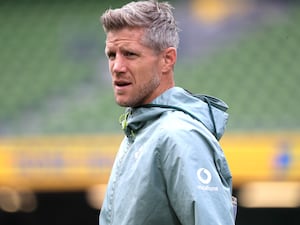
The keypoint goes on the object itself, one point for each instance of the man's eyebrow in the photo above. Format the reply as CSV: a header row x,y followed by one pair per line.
x,y
107,50
129,49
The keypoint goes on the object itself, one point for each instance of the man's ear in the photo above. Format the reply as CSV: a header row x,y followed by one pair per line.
x,y
169,59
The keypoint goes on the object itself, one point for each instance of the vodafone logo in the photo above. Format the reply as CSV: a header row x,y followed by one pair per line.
x,y
204,176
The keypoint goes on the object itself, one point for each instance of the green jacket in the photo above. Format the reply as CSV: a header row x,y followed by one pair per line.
x,y
170,168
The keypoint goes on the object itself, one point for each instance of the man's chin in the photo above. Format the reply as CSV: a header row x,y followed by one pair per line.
x,y
121,102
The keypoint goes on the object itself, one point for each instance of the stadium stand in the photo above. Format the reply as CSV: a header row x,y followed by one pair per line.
x,y
54,76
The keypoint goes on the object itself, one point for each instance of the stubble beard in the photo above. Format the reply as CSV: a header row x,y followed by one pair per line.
x,y
143,93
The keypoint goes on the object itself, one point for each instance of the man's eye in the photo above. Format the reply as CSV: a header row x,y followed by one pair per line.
x,y
129,54
111,55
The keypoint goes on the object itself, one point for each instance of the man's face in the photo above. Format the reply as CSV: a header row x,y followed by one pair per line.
x,y
135,68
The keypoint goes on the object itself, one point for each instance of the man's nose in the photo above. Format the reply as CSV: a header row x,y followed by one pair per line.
x,y
118,65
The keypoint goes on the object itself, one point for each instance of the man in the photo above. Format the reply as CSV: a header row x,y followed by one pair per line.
x,y
170,168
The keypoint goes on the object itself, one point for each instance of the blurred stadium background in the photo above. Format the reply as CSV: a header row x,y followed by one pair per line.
x,y
59,124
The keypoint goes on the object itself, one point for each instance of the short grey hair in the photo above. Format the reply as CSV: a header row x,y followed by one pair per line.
x,y
161,30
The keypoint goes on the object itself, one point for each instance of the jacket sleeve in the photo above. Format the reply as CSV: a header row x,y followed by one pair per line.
x,y
197,177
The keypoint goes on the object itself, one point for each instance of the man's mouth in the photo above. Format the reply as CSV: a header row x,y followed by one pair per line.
x,y
121,84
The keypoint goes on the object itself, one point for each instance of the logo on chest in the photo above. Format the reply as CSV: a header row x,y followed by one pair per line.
x,y
205,178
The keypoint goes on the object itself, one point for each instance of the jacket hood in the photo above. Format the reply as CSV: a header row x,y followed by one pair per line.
x,y
210,111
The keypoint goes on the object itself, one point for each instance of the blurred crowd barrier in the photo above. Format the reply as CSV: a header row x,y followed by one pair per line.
x,y
265,168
